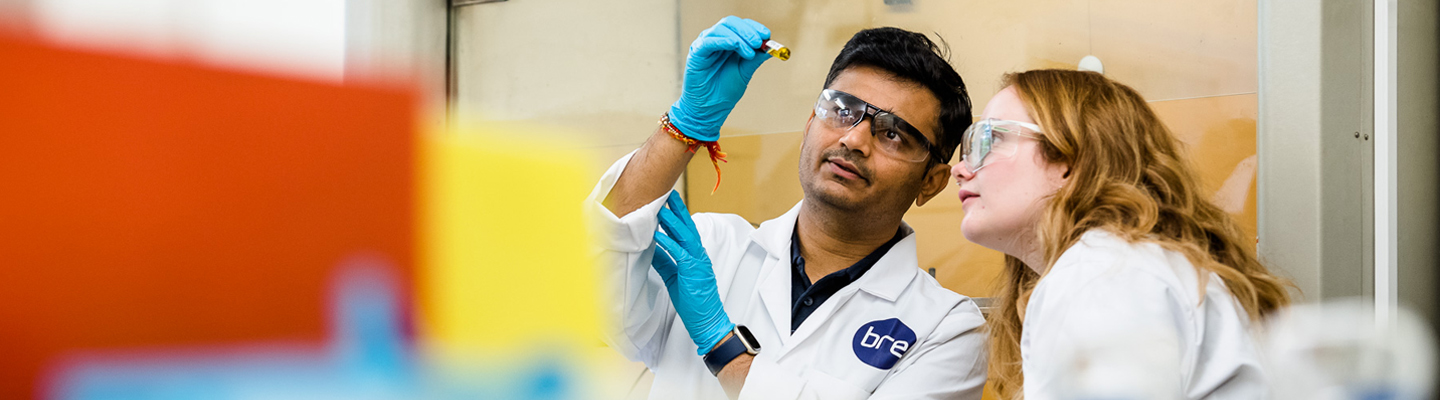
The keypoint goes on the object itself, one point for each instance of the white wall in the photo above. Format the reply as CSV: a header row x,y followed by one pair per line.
x,y
605,70
299,38
1314,146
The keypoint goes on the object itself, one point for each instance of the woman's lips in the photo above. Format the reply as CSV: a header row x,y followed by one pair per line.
x,y
966,195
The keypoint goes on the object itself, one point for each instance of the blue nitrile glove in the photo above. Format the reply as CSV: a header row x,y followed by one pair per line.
x,y
720,65
688,276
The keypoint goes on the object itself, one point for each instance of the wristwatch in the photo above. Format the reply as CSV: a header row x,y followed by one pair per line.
x,y
741,343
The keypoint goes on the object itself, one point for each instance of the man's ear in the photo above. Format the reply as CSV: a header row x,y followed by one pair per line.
x,y
934,182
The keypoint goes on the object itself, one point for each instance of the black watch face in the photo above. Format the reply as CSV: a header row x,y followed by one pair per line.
x,y
748,338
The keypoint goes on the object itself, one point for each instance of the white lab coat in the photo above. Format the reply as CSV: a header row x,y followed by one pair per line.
x,y
1105,294
946,358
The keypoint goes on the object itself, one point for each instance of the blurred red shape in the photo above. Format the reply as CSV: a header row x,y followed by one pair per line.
x,y
153,204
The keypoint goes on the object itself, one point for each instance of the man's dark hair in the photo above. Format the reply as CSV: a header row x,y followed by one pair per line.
x,y
913,57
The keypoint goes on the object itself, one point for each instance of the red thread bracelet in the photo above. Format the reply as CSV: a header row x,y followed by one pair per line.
x,y
716,156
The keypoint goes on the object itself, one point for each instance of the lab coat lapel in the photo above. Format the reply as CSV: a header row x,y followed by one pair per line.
x,y
774,237
894,272
823,313
886,280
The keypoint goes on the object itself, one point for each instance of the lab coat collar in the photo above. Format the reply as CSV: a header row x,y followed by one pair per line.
x,y
774,235
774,281
887,279
895,270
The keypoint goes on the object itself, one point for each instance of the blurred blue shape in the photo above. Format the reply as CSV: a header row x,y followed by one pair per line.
x,y
369,333
369,358
547,381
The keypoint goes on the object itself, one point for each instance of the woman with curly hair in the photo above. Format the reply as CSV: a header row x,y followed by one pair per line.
x,y
1107,233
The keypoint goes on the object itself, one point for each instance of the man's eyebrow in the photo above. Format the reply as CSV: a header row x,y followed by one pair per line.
x,y
907,122
883,109
891,112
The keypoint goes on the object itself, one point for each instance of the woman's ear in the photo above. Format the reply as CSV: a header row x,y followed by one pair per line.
x,y
936,178
1059,175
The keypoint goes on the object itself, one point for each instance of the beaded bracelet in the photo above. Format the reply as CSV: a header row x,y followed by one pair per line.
x,y
716,156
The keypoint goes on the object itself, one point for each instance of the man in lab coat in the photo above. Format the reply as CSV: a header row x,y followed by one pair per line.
x,y
826,301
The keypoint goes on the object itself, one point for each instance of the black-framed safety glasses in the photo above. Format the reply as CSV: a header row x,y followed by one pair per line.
x,y
893,136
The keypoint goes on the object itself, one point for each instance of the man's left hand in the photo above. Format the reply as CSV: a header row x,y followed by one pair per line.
x,y
689,277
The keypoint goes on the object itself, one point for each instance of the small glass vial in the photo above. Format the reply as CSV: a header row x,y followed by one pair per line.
x,y
776,49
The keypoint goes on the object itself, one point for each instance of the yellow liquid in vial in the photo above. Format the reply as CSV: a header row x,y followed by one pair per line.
x,y
782,53
776,49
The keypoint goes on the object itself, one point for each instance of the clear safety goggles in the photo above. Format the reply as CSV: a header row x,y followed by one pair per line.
x,y
893,136
990,138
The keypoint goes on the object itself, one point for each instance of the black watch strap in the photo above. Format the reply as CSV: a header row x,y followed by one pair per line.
x,y
742,342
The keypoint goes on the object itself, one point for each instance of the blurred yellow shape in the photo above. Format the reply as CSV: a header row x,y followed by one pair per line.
x,y
503,245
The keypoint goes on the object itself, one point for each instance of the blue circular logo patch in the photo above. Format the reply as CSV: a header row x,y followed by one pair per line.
x,y
881,343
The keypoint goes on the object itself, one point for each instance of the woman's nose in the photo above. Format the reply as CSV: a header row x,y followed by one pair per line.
x,y
959,171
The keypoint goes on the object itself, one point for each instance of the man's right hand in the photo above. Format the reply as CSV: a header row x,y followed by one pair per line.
x,y
719,67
